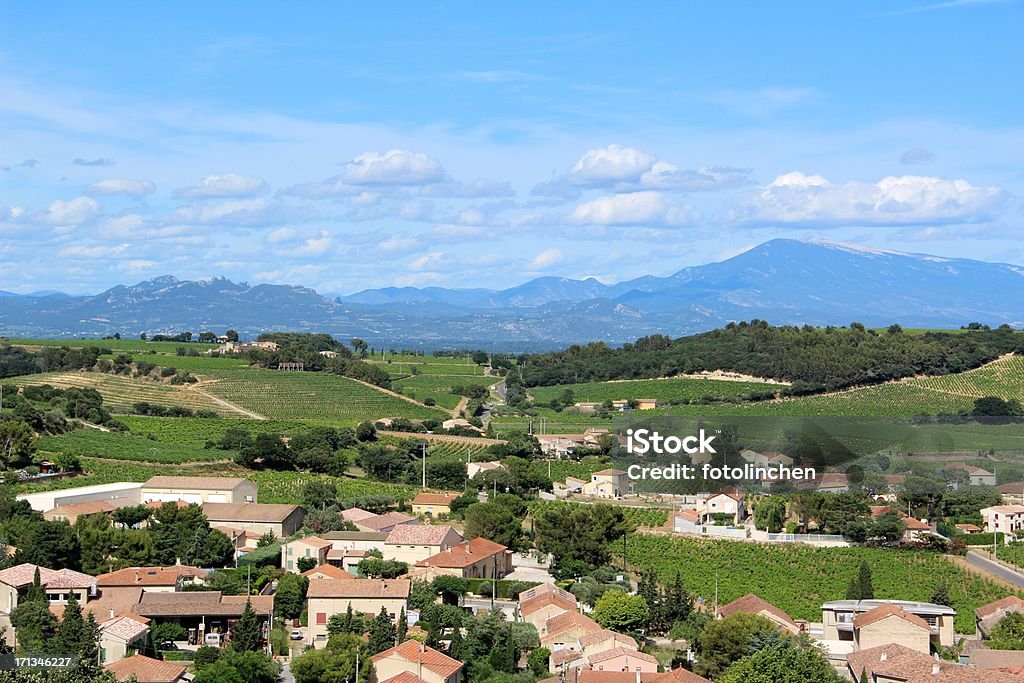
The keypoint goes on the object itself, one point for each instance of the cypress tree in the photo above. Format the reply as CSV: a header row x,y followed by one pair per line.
x,y
35,592
867,589
245,636
403,627
382,632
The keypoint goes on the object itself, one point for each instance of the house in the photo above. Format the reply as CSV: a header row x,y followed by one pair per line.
x,y
325,597
152,579
1008,519
609,483
199,490
475,468
833,482
540,603
583,675
328,354
988,616
969,528
684,522
915,528
565,630
281,520
58,585
587,407
410,544
889,624
623,659
413,662
894,663
726,503
308,546
433,504
348,548
646,403
571,485
976,476
753,604
478,558
838,617
1012,492
385,522
72,511
242,541
459,423
122,636
328,571
131,492
356,514
143,669
559,445
202,612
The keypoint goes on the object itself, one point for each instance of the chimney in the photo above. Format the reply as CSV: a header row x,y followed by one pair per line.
x,y
111,612
936,669
884,656
638,676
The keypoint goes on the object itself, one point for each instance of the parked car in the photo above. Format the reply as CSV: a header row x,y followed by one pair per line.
x,y
214,639
296,634
168,645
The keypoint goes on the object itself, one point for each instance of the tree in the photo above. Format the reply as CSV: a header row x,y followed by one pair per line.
x,y
785,662
335,663
403,626
76,635
238,667
382,632
246,635
451,588
770,514
619,611
346,622
304,564
33,624
365,431
319,493
887,528
494,522
994,406
1008,634
290,596
867,588
580,533
724,642
538,662
232,335
940,596
359,346
17,443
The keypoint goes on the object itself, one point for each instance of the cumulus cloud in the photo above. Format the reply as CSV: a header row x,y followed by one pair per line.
x,y
634,208
481,187
79,161
916,155
546,258
242,212
664,175
608,165
814,201
429,261
315,246
394,167
396,243
128,188
281,235
98,251
225,186
72,212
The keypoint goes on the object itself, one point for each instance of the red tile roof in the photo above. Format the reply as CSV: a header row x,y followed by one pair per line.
x,y
404,677
464,554
417,653
419,534
434,498
885,611
755,605
314,542
23,575
385,521
358,588
560,623
545,599
149,576
1009,603
603,635
620,652
329,571
147,670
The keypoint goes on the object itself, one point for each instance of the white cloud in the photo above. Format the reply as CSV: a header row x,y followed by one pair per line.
x,y
634,208
814,201
241,212
399,244
224,186
99,251
315,246
546,258
429,261
395,167
128,188
666,176
280,235
134,266
475,189
71,212
611,164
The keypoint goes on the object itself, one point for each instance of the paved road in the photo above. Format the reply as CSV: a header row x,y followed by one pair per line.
x,y
286,674
999,570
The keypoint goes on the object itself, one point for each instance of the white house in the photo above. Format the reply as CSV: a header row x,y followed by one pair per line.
x,y
1008,519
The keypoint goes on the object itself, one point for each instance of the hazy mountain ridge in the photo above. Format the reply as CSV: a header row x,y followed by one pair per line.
x,y
782,281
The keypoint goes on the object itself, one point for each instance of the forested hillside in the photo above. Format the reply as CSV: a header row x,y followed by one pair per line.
x,y
813,359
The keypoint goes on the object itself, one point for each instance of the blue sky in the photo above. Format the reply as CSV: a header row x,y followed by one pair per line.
x,y
345,146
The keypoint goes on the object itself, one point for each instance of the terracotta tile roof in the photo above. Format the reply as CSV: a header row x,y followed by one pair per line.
x,y
356,514
342,553
248,512
620,651
755,605
313,542
1009,603
23,575
1012,487
679,675
194,483
354,535
560,623
386,521
359,588
124,627
147,670
89,507
610,473
1007,509
417,653
688,515
907,665
885,611
419,534
464,554
544,600
404,677
566,656
112,601
543,589
328,571
603,635
190,603
149,576
590,676
434,498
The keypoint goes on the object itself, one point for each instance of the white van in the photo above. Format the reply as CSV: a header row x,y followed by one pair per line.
x,y
214,639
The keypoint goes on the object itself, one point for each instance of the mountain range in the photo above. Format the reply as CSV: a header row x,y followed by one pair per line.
x,y
782,281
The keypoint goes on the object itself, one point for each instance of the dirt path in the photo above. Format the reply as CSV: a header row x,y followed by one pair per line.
x,y
460,406
393,393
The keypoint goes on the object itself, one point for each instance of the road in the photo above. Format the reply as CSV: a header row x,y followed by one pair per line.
x,y
991,567
286,674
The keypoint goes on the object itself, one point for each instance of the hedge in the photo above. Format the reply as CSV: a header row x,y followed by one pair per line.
x,y
506,589
981,539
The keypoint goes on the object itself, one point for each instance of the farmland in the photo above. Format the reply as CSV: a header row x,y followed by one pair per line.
x,y
798,579
665,390
316,396
118,345
438,387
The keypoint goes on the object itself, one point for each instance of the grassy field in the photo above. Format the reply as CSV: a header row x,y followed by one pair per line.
x,y
120,392
120,345
317,396
668,390
798,579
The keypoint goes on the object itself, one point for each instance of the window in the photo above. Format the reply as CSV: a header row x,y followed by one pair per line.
x,y
321,617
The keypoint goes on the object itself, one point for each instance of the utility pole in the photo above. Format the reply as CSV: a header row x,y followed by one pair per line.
x,y
423,448
716,594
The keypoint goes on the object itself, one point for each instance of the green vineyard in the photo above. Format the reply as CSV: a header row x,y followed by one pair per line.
x,y
666,390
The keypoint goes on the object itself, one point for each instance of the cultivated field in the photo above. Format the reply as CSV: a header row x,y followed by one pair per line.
x,y
438,387
668,390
